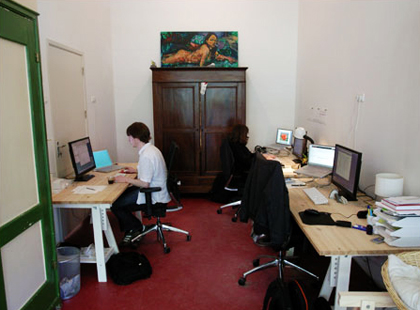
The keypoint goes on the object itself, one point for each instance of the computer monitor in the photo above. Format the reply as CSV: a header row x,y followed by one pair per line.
x,y
82,158
346,171
284,136
299,147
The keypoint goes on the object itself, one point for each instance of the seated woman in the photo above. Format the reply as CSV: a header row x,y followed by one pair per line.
x,y
238,140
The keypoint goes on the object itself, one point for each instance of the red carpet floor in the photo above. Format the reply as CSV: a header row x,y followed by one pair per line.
x,y
200,274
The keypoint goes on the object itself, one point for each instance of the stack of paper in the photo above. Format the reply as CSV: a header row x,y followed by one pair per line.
x,y
398,230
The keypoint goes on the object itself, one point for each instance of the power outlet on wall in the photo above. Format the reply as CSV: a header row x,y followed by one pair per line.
x,y
360,98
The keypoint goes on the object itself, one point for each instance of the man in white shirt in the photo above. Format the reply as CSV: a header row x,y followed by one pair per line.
x,y
151,172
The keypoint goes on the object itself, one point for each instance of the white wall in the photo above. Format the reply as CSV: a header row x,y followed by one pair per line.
x,y
120,38
84,26
267,46
366,47
30,4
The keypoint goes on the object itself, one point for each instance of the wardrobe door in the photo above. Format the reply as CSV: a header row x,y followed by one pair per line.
x,y
176,113
223,106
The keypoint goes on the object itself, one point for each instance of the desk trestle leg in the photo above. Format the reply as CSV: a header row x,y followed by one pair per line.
x,y
338,276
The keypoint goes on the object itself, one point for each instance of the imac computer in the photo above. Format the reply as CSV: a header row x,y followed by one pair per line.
x,y
284,137
346,171
82,159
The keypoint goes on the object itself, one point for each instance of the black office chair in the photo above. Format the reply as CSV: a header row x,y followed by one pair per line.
x,y
173,182
159,210
231,181
266,202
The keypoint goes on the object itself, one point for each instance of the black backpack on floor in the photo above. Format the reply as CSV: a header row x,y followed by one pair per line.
x,y
285,296
277,296
126,267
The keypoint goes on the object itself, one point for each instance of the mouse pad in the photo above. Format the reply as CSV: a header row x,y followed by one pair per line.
x,y
323,218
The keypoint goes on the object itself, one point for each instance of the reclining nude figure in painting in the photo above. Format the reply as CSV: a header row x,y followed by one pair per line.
x,y
202,55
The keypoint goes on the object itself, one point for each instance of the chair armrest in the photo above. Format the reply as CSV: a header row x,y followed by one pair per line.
x,y
149,189
148,193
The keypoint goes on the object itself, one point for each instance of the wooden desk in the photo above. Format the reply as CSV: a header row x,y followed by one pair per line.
x,y
98,203
339,243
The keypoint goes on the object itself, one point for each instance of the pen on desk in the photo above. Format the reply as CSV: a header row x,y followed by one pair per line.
x,y
89,188
297,185
359,227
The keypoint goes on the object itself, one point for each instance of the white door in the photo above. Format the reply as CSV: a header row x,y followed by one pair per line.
x,y
67,101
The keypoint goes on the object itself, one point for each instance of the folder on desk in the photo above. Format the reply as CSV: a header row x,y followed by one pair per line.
x,y
103,162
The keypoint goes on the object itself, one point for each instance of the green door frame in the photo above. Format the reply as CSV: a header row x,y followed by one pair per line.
x,y
20,25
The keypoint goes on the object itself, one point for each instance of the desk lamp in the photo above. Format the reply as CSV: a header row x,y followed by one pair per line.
x,y
388,185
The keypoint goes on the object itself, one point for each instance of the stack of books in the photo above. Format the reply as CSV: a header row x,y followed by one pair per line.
x,y
401,205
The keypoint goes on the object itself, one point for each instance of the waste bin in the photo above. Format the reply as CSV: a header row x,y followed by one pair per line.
x,y
69,271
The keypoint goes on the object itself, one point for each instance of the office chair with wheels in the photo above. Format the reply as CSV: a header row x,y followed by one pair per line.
x,y
266,202
231,184
159,210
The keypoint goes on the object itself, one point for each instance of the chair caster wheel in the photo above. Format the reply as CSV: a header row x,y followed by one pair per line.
x,y
219,211
189,238
256,262
234,219
241,281
166,250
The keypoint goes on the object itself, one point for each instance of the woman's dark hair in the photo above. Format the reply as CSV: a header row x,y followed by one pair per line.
x,y
239,134
140,131
214,50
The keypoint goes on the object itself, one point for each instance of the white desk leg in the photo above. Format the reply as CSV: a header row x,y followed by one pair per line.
x,y
343,278
338,276
328,284
109,234
99,243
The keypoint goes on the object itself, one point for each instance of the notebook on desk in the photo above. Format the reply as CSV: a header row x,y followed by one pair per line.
x,y
103,162
320,161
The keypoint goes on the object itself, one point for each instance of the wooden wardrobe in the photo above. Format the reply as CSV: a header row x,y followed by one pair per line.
x,y
196,108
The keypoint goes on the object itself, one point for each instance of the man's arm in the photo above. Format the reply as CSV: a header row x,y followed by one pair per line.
x,y
135,182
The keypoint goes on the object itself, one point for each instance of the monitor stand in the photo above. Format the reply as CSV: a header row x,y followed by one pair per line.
x,y
84,177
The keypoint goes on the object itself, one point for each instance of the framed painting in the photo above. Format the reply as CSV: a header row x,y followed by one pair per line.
x,y
199,49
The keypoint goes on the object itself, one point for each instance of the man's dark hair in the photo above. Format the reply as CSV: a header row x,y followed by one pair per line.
x,y
140,131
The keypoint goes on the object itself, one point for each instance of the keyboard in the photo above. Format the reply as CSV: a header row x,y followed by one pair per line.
x,y
316,196
109,168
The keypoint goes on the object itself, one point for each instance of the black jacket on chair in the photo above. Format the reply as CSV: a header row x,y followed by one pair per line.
x,y
266,201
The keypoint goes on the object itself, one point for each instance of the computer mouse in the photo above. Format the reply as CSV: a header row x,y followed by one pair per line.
x,y
311,212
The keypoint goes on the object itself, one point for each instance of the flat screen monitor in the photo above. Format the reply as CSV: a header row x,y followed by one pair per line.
x,y
346,171
82,158
299,147
284,136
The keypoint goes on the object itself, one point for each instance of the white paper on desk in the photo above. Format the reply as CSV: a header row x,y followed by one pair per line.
x,y
85,189
288,170
295,183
